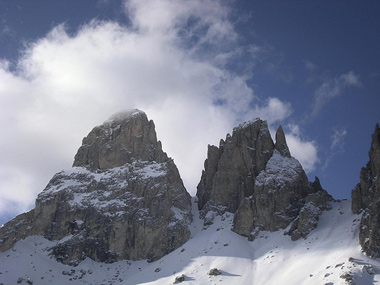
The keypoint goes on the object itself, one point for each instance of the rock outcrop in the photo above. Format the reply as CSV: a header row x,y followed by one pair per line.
x,y
230,170
307,220
366,199
123,199
259,181
118,141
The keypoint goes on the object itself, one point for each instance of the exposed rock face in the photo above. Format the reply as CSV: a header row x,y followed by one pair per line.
x,y
366,197
307,219
281,144
257,180
119,141
123,199
230,170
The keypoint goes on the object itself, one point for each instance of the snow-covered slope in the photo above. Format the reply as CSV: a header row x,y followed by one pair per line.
x,y
330,255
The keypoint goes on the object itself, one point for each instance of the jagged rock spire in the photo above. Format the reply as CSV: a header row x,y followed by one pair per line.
x,y
366,197
230,170
257,180
362,195
374,153
281,144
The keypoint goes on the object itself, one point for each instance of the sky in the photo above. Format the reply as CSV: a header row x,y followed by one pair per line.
x,y
197,68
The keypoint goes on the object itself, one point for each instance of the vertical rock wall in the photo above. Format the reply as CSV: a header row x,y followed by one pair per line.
x,y
366,199
231,169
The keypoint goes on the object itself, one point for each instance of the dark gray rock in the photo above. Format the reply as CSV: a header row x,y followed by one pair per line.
x,y
210,168
123,199
281,144
305,222
245,218
230,170
366,199
367,190
319,198
214,272
257,180
307,219
279,191
125,138
179,279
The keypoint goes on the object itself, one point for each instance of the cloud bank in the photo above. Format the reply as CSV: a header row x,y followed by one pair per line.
x,y
167,63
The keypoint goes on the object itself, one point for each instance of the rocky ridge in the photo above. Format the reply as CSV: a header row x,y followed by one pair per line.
x,y
366,199
260,183
123,199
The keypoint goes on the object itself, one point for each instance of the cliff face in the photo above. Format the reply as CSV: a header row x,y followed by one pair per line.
x,y
123,199
124,138
366,198
231,169
260,182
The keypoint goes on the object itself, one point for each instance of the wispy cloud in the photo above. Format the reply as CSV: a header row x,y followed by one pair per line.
x,y
336,146
331,88
337,139
310,66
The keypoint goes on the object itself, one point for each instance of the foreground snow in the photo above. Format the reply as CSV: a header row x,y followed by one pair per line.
x,y
329,253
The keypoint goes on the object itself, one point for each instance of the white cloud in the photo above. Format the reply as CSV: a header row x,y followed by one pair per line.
x,y
66,84
274,111
302,149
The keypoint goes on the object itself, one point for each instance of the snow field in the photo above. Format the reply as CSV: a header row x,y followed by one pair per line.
x,y
329,252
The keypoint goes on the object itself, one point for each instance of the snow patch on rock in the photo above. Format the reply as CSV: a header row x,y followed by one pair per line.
x,y
279,170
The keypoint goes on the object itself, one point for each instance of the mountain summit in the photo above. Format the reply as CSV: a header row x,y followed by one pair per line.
x,y
126,137
260,182
123,199
121,215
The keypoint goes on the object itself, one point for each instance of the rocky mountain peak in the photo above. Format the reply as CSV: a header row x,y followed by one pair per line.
x,y
365,192
374,152
281,144
366,198
230,169
122,199
260,182
125,137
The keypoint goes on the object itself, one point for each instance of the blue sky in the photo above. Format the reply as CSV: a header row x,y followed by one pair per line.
x,y
197,68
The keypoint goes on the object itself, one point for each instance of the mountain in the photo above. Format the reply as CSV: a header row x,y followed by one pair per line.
x,y
260,182
329,255
121,215
366,199
122,199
